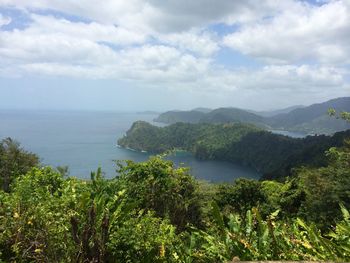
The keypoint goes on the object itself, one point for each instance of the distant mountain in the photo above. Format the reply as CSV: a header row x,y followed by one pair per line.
x,y
221,115
171,117
225,115
279,111
313,119
204,110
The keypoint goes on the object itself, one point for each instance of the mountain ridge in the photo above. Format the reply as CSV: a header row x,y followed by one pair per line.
x,y
313,119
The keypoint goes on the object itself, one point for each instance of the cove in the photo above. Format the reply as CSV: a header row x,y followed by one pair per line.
x,y
85,140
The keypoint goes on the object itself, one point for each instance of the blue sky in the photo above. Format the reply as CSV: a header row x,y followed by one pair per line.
x,y
160,55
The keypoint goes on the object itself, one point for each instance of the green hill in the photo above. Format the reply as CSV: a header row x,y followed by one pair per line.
x,y
225,115
313,119
278,111
221,115
271,154
171,117
202,109
203,139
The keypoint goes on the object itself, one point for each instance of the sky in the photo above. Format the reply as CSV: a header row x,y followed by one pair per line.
x,y
172,54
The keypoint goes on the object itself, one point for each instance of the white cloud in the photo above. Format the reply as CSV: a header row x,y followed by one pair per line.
x,y
303,31
67,52
93,31
146,64
201,43
294,78
157,15
170,45
275,31
27,47
181,15
4,20
57,47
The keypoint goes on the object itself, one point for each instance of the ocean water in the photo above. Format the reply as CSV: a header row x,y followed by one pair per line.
x,y
86,140
289,133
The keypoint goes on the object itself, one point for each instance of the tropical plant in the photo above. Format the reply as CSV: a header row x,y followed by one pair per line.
x,y
255,238
157,186
14,161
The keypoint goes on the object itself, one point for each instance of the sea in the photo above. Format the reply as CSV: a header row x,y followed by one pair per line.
x,y
86,140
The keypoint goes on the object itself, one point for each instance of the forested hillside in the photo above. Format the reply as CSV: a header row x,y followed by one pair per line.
x,y
180,116
271,154
202,138
221,115
313,119
277,112
225,115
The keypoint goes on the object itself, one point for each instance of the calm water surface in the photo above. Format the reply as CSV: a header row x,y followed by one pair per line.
x,y
290,134
87,140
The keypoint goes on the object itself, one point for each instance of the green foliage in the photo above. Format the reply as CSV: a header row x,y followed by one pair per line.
x,y
326,187
49,218
221,115
171,117
63,170
343,114
34,218
14,161
203,139
155,185
255,238
154,212
271,154
144,238
313,194
242,195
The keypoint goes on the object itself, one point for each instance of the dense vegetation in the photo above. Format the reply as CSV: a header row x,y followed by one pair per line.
x,y
271,154
202,138
226,115
14,161
277,112
312,119
171,117
154,212
221,115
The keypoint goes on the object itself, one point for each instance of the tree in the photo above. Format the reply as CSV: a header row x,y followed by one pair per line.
x,y
326,187
14,161
63,170
243,195
157,186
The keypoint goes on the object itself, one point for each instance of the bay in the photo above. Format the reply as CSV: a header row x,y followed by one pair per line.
x,y
86,140
289,133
